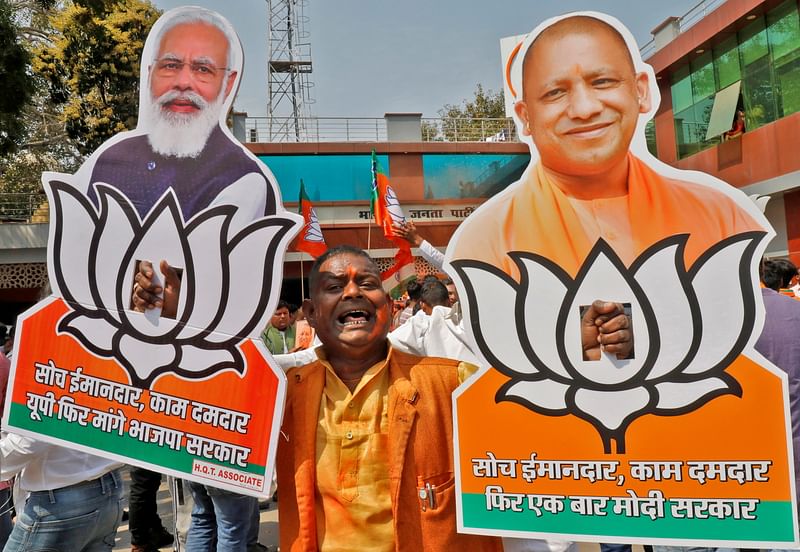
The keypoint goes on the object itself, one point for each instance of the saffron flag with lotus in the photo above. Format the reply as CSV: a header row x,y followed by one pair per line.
x,y
311,239
387,211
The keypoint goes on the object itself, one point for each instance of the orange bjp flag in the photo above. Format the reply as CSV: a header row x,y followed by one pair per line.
x,y
311,240
387,211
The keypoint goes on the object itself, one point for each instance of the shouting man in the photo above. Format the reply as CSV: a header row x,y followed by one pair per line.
x,y
367,459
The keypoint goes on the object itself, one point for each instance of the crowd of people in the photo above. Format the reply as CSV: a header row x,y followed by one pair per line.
x,y
365,459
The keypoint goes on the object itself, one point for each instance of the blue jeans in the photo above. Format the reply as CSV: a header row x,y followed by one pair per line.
x,y
6,504
658,548
79,518
255,525
219,516
609,547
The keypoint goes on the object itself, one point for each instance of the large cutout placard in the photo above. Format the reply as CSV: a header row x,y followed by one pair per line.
x,y
165,258
616,300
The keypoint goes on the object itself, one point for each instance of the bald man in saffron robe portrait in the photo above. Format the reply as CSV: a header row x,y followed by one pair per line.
x,y
581,101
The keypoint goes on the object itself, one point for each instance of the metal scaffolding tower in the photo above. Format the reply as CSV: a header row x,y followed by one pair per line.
x,y
289,70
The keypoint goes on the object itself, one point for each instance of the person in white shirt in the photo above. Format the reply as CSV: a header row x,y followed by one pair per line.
x,y
75,500
408,231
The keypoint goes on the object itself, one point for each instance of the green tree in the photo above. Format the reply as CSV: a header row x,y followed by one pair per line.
x,y
91,66
21,166
475,119
16,86
484,104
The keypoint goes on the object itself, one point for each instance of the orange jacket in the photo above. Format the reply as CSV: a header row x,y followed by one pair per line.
x,y
420,437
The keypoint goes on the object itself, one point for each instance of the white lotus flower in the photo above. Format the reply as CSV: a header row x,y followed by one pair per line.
x,y
393,207
313,231
224,291
683,340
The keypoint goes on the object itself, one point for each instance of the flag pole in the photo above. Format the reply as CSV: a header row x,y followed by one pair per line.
x,y
373,170
302,283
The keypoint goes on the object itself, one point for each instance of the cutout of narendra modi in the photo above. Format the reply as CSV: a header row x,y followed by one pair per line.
x,y
191,67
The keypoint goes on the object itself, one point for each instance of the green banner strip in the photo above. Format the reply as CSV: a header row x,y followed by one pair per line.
x,y
773,523
178,460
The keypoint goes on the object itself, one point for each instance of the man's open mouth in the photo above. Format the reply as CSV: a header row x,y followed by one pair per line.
x,y
354,318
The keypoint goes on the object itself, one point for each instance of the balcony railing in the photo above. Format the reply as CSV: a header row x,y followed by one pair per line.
x,y
469,130
369,129
687,21
23,207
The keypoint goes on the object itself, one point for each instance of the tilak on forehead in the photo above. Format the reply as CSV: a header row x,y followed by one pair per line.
x,y
583,23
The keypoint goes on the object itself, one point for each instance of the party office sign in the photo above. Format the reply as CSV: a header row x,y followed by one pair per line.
x,y
164,257
617,302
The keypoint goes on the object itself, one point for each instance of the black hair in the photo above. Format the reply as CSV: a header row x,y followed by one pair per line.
x,y
414,290
777,273
283,304
435,294
313,276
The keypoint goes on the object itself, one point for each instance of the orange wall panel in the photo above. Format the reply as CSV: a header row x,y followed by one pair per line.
x,y
405,174
767,152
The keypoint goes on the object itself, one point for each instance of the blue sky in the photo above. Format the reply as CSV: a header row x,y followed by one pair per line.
x,y
376,56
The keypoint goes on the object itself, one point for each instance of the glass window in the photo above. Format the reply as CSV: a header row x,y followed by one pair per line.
x,y
726,62
788,92
702,115
326,177
757,91
650,136
783,32
753,42
691,126
455,176
702,77
683,123
764,56
681,89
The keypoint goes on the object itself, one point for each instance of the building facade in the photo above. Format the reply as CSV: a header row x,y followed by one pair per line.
x,y
741,60
729,77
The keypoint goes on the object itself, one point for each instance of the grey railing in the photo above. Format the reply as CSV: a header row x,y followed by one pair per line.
x,y
369,129
468,130
22,207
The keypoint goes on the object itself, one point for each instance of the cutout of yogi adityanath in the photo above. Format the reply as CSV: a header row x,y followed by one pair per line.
x,y
582,95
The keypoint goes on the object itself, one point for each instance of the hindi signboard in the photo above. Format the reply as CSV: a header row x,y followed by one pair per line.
x,y
616,301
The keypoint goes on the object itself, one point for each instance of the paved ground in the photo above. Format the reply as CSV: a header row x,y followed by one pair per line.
x,y
268,530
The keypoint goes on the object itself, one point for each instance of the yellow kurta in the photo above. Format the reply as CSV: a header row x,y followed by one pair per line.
x,y
353,503
354,507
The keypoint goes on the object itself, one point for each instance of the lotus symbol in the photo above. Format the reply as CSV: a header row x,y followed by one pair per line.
x,y
313,231
393,207
683,340
227,278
